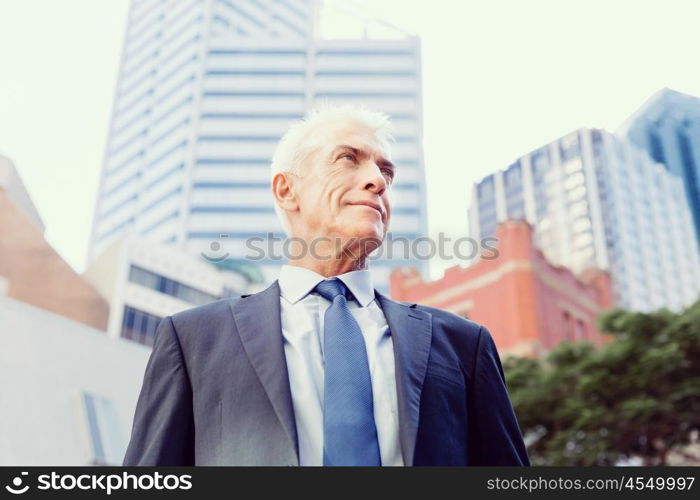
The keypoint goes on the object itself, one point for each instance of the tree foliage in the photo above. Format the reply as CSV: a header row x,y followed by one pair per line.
x,y
636,396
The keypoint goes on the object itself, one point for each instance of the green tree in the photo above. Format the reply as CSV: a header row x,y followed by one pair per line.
x,y
636,396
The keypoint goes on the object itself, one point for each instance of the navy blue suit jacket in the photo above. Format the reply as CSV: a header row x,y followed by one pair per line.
x,y
216,389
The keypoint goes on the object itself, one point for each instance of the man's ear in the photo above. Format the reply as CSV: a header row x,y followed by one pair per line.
x,y
283,192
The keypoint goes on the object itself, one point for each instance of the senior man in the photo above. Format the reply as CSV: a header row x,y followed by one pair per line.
x,y
320,368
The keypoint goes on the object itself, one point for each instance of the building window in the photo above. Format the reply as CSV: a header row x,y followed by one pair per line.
x,y
139,326
656,148
487,223
540,161
692,183
566,326
485,189
513,178
169,286
515,207
580,332
569,148
106,444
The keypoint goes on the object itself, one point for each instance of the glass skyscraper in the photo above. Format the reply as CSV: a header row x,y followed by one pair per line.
x,y
206,89
667,126
595,200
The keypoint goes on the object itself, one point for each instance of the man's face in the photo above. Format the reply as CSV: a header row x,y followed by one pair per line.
x,y
345,185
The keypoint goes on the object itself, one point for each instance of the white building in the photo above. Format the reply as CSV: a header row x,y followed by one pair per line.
x,y
68,391
597,201
206,89
144,281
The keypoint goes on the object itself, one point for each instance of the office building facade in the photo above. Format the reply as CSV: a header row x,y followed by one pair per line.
x,y
667,126
596,201
143,281
71,390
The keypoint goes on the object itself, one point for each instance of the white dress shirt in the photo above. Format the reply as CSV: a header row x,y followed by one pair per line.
x,y
302,328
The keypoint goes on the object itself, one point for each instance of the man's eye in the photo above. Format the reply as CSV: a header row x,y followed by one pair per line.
x,y
348,156
388,172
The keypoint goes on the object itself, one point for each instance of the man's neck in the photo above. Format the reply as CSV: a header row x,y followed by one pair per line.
x,y
330,268
331,256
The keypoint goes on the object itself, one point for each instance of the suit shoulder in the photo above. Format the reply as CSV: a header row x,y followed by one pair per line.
x,y
205,312
451,321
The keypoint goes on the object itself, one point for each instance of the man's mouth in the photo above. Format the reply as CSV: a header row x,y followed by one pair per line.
x,y
370,204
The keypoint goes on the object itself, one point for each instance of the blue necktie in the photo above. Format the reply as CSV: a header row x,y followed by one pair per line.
x,y
349,431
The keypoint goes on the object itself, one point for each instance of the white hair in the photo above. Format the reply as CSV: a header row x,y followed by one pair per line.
x,y
309,134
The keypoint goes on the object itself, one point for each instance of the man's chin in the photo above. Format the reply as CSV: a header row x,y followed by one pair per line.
x,y
369,239
368,230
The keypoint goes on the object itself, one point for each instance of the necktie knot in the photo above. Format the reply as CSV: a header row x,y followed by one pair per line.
x,y
329,289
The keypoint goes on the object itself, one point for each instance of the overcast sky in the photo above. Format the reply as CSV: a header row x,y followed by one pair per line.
x,y
500,78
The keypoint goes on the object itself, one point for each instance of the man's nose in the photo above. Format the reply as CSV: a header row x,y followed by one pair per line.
x,y
375,180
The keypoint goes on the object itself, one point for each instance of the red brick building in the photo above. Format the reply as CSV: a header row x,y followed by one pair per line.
x,y
528,304
30,269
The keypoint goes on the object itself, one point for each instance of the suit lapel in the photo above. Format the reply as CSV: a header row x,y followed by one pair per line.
x,y
258,321
411,334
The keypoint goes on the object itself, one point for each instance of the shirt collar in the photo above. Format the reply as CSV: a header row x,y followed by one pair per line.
x,y
297,282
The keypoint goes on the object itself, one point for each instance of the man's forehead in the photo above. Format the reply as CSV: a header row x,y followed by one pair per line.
x,y
358,137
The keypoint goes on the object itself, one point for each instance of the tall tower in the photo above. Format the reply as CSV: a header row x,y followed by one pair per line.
x,y
667,126
597,201
206,89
